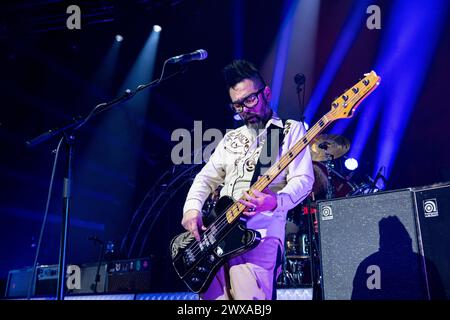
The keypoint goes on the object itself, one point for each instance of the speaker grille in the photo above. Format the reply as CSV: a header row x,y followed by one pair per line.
x,y
369,247
433,208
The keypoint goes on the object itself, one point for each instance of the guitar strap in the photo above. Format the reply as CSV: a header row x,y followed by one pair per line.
x,y
269,149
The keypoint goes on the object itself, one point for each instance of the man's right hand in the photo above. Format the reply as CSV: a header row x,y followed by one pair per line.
x,y
192,222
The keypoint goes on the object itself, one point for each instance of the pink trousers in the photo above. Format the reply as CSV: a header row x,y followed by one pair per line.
x,y
249,276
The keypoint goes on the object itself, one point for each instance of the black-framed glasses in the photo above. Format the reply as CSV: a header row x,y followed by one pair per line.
x,y
249,101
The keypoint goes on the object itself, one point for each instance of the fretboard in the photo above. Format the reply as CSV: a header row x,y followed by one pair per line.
x,y
263,181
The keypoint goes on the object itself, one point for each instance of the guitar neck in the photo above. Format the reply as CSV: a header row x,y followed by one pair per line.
x,y
237,208
342,107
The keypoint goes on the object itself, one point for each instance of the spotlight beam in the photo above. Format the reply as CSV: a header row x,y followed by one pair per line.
x,y
343,44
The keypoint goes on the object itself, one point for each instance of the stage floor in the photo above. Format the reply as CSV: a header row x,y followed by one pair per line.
x,y
282,294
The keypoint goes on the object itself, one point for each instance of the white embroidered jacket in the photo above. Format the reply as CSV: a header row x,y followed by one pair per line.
x,y
233,163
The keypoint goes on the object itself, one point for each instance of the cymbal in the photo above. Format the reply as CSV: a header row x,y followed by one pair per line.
x,y
327,146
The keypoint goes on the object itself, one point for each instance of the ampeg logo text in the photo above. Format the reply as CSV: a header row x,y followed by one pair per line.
x,y
430,208
327,213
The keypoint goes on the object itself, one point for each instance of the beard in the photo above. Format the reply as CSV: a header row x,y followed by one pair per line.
x,y
257,121
256,124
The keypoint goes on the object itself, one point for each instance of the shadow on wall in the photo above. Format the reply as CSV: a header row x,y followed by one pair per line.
x,y
395,272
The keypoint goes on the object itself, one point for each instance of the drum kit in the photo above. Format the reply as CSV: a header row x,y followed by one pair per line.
x,y
301,225
329,183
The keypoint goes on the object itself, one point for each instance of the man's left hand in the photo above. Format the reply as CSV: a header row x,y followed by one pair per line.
x,y
260,201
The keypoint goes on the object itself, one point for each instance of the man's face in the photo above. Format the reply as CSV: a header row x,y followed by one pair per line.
x,y
248,92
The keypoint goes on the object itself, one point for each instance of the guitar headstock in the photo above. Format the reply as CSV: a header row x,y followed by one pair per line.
x,y
345,105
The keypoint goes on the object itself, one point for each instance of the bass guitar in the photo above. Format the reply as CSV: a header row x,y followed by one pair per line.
x,y
226,236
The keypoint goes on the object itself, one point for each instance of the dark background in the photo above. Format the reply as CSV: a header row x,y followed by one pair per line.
x,y
48,76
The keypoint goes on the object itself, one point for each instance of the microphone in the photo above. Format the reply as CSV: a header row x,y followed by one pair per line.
x,y
199,54
299,79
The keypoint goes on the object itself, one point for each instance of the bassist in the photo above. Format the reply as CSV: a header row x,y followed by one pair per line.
x,y
238,160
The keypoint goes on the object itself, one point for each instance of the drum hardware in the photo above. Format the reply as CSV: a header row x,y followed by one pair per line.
x,y
327,148
363,188
297,246
291,227
297,259
295,273
329,165
325,176
369,185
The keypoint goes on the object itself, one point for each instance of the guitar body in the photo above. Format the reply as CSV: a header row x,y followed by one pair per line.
x,y
196,262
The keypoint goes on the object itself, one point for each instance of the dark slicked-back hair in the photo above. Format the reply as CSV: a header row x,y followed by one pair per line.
x,y
239,70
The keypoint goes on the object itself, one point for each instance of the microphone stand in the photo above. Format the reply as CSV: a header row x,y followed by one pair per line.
x,y
99,264
301,98
68,132
312,244
313,251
